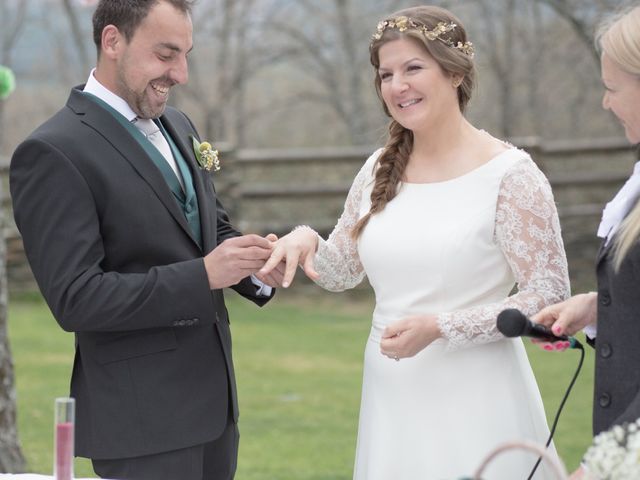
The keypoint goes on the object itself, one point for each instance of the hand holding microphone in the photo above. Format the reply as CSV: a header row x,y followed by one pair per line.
x,y
513,323
570,316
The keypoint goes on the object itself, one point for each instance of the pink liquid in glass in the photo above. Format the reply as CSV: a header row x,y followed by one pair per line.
x,y
64,451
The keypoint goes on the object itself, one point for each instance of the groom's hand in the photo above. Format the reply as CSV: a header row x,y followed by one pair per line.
x,y
236,258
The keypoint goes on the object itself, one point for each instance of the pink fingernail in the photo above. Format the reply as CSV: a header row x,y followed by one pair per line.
x,y
556,330
548,348
560,346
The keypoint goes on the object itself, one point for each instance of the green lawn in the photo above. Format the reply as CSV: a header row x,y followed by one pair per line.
x,y
299,365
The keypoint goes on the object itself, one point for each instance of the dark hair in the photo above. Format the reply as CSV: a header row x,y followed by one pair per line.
x,y
127,15
393,160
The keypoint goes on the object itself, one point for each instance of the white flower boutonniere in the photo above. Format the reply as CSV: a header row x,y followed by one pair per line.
x,y
615,453
205,154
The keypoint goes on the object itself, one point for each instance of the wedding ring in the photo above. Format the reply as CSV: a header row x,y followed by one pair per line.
x,y
396,358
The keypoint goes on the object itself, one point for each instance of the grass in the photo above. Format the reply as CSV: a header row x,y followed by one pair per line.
x,y
298,365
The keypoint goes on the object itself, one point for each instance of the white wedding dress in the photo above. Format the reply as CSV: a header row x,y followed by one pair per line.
x,y
456,249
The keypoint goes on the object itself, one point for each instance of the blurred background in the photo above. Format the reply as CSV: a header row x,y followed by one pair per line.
x,y
296,73
284,89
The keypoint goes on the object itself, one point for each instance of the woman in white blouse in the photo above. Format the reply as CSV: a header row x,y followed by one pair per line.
x,y
444,220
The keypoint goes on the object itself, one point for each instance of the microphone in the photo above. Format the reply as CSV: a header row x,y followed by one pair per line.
x,y
513,323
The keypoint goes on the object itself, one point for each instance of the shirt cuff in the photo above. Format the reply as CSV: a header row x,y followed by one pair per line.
x,y
263,290
591,331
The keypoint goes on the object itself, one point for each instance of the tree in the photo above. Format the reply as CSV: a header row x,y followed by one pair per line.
x,y
499,18
11,458
78,35
332,53
13,15
583,16
233,47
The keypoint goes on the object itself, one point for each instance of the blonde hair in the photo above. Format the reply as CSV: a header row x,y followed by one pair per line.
x,y
619,37
394,158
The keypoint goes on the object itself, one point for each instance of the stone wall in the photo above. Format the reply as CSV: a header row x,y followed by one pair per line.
x,y
274,190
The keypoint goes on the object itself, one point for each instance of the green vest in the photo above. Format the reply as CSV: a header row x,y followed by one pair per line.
x,y
186,198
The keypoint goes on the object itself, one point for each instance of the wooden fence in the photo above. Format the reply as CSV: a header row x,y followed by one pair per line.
x,y
274,190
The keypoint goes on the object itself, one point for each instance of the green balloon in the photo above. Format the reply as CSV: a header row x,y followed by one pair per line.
x,y
7,82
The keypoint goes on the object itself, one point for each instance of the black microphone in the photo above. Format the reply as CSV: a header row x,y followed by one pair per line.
x,y
513,323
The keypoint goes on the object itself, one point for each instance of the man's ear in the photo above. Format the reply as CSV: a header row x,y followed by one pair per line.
x,y
111,41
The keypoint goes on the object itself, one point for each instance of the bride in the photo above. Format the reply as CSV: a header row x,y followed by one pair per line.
x,y
444,221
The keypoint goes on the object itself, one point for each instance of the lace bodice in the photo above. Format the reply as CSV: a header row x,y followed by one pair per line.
x,y
526,230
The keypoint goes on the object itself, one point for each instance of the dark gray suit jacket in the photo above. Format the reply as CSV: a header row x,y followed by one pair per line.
x,y
115,260
617,373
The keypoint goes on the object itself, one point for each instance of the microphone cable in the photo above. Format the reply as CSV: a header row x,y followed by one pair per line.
x,y
578,345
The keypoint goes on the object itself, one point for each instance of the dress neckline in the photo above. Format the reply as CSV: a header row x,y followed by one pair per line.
x,y
471,172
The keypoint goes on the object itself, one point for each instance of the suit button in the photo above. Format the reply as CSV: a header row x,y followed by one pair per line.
x,y
217,317
605,299
188,208
605,400
605,350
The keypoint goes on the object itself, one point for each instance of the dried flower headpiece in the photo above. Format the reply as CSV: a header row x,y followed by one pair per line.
x,y
403,24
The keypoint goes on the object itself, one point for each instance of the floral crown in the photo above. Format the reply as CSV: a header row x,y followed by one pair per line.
x,y
403,24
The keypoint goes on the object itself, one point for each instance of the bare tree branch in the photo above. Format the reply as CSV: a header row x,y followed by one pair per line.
x,y
11,458
78,35
12,27
583,29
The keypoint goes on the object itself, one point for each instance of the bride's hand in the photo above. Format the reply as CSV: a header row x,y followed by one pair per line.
x,y
408,336
275,276
297,247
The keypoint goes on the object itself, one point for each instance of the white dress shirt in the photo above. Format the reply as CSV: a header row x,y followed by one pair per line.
x,y
94,87
618,208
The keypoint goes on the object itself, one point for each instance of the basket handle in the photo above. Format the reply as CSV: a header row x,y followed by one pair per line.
x,y
557,466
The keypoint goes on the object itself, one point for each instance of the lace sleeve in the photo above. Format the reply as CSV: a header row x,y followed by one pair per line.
x,y
527,230
337,259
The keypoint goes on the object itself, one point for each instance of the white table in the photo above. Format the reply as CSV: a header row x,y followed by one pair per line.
x,y
32,476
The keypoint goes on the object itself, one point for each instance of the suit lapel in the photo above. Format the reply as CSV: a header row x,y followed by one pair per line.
x,y
103,122
183,141
604,250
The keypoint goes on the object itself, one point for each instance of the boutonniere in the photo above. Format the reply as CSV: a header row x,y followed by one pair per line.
x,y
206,156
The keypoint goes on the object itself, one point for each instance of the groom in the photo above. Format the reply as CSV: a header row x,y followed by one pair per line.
x,y
131,247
